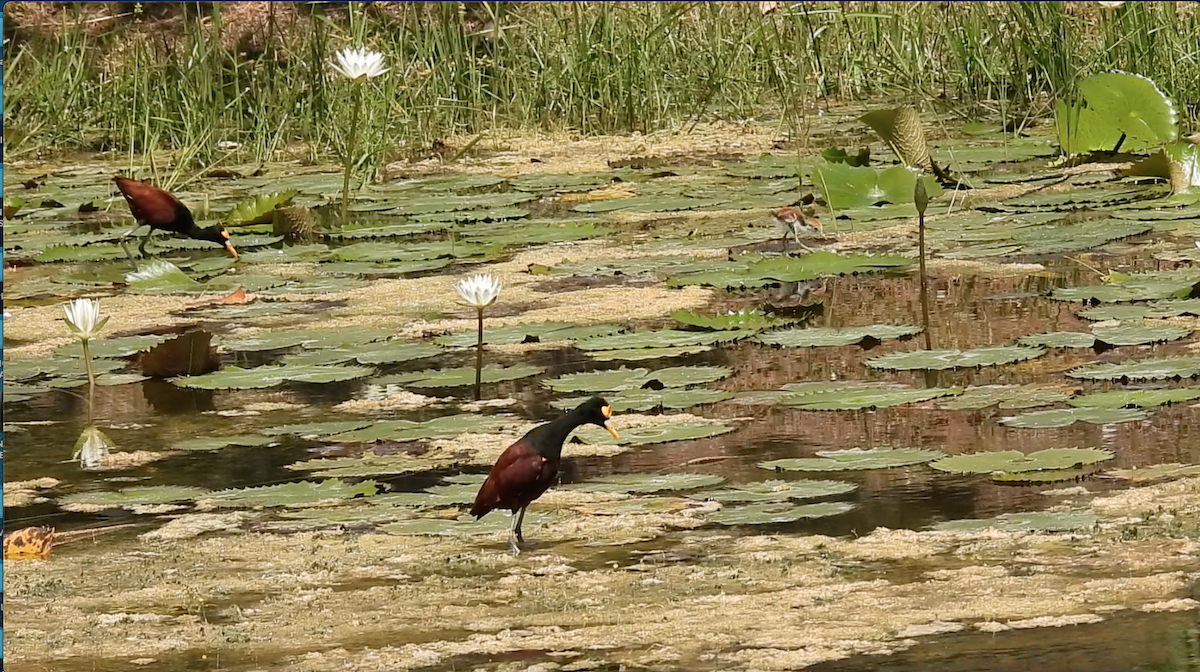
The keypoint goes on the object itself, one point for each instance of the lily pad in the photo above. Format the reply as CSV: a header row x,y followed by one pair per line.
x,y
640,483
1063,417
218,442
237,378
391,352
1043,521
1154,472
776,491
1008,396
371,464
639,354
1151,311
1136,398
1139,334
464,525
647,203
953,359
822,336
158,276
639,436
258,209
775,513
743,319
318,428
630,379
527,333
856,459
1014,461
461,376
1149,369
845,186
301,493
842,396
765,271
1059,339
411,430
645,400
135,496
665,338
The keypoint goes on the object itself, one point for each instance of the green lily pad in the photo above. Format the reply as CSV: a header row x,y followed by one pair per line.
x,y
461,376
1014,461
561,184
1154,472
289,254
315,429
393,268
1043,521
391,352
776,513
1137,287
237,378
1151,311
642,483
842,396
373,465
645,400
411,430
158,276
527,333
776,491
760,272
844,186
309,338
953,359
1007,396
639,354
219,442
1136,398
113,347
465,525
426,204
1139,334
665,338
1059,339
630,379
743,319
856,459
646,203
640,436
823,336
1063,417
258,209
1149,369
300,493
1132,104
135,496
770,166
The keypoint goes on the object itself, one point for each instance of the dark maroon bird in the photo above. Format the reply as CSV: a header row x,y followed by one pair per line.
x,y
527,468
160,210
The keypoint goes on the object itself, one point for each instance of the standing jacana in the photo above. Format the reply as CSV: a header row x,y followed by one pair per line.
x,y
793,221
160,210
527,468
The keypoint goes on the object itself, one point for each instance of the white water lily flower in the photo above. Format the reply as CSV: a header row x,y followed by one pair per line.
x,y
83,317
92,448
479,291
359,65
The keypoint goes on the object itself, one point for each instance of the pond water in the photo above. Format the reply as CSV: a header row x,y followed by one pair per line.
x,y
1002,270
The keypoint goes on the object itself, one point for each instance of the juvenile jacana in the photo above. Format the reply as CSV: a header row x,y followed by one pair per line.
x,y
792,220
527,468
159,210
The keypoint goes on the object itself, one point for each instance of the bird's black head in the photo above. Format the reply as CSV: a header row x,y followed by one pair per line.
x,y
596,411
217,234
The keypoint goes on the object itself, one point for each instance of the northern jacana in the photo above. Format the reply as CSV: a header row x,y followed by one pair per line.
x,y
792,220
527,468
160,210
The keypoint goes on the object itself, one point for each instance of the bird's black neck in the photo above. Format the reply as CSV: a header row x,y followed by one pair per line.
x,y
548,439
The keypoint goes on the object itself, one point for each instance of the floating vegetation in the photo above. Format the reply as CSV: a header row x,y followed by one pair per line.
x,y
854,395
1150,369
757,272
237,378
632,379
133,496
460,376
1136,398
644,483
301,493
638,436
855,459
1008,396
1045,521
776,491
1063,417
776,513
1044,465
411,430
666,338
824,336
742,319
645,400
954,359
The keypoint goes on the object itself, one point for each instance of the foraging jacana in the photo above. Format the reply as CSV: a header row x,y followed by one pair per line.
x,y
793,221
160,210
527,468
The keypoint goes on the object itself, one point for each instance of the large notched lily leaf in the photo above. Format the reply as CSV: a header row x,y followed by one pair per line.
x,y
665,338
823,336
639,354
1133,105
1154,472
544,332
1059,339
1041,521
460,376
465,525
1008,396
1136,398
390,352
258,209
760,272
851,395
775,513
776,491
302,493
135,496
371,464
411,430
309,338
631,379
315,429
631,483
237,378
752,320
1139,334
158,276
1063,417
219,442
1149,369
647,203
845,186
856,459
1178,284
645,400
953,359
1152,311
639,436
1051,459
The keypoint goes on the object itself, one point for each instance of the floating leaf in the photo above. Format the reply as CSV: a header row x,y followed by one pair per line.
x,y
639,436
135,496
544,332
856,459
237,378
411,430
775,513
760,272
953,359
461,376
113,347
258,209
645,400
776,491
291,494
647,203
1152,311
1155,472
822,336
1139,334
665,338
1136,398
639,483
1043,521
1059,339
371,464
639,354
1014,461
1064,417
1008,396
464,525
1149,369
842,396
219,442
743,319
158,276
1137,287
844,186
1133,105
391,352
318,428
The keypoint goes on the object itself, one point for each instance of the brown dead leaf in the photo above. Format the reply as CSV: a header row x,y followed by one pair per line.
x,y
29,543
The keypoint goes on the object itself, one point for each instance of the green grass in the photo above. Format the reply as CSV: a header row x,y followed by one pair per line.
x,y
593,67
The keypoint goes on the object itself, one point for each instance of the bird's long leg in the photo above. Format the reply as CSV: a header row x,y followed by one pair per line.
x,y
142,247
514,533
126,247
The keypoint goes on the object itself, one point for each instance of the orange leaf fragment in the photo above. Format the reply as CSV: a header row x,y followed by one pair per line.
x,y
29,543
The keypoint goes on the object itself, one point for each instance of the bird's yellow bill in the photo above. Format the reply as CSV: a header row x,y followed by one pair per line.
x,y
612,430
229,246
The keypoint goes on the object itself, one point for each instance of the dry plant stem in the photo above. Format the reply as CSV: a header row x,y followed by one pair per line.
x,y
349,158
479,355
